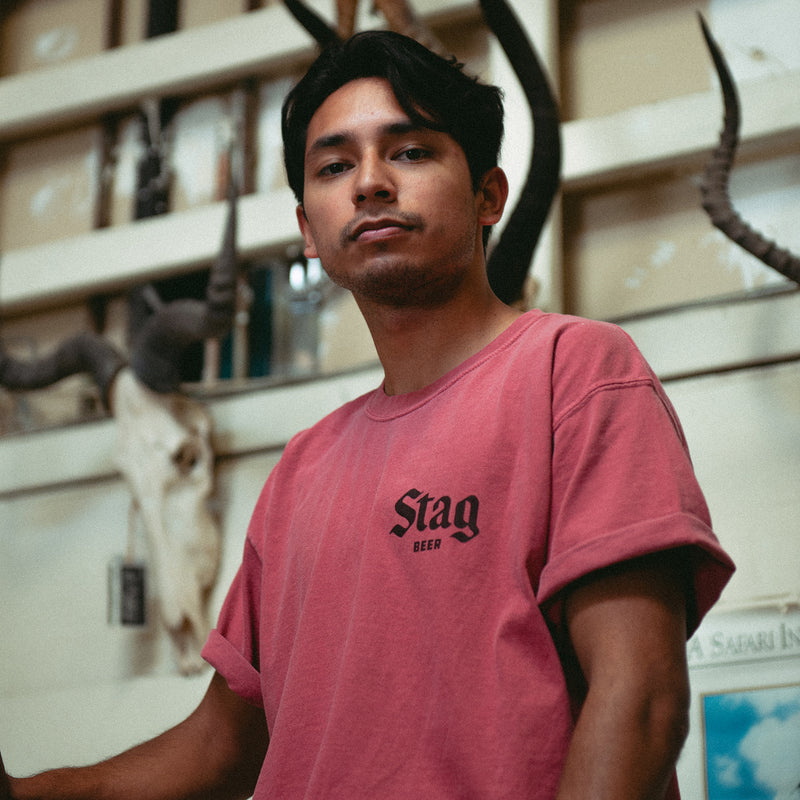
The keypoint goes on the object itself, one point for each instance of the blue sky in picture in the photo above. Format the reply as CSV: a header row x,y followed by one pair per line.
x,y
753,744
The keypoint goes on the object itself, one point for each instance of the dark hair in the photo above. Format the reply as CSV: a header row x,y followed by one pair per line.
x,y
434,92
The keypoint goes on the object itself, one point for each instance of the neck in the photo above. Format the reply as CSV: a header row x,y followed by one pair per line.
x,y
417,346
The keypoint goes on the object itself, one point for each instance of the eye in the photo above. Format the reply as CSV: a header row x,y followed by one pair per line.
x,y
335,168
414,154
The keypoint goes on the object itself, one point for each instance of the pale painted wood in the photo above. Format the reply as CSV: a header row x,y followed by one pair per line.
x,y
723,335
113,258
679,133
254,420
743,430
61,455
193,60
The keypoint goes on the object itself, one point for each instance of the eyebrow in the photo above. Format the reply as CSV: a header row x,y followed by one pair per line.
x,y
345,137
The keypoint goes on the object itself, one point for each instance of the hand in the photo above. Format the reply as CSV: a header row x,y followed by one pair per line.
x,y
5,785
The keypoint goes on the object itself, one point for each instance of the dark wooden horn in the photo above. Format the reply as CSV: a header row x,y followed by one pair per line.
x,y
714,186
158,346
510,259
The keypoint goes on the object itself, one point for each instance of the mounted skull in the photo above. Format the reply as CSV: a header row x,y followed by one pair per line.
x,y
163,438
164,453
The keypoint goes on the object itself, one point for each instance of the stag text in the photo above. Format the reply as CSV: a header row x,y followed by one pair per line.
x,y
424,512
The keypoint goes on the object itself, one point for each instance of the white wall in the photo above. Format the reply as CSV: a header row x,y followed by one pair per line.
x,y
74,688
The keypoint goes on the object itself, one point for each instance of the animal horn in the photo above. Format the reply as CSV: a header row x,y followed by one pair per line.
x,y
158,346
402,18
398,14
510,259
322,33
85,352
714,186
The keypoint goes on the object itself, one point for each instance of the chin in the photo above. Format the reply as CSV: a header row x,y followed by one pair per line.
x,y
407,289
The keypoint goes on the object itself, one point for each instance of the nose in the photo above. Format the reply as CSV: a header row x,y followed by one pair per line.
x,y
374,181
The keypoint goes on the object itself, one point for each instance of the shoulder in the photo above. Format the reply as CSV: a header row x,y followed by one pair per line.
x,y
582,350
592,359
570,333
583,338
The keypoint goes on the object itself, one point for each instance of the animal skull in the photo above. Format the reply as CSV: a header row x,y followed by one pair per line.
x,y
164,453
164,450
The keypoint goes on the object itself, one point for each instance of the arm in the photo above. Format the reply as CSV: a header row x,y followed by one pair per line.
x,y
5,788
627,626
216,752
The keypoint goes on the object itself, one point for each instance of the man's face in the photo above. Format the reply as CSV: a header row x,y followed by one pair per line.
x,y
388,207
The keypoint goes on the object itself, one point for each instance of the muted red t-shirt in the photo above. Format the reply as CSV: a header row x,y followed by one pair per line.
x,y
395,606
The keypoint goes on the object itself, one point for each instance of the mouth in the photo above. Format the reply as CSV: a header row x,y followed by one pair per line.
x,y
372,230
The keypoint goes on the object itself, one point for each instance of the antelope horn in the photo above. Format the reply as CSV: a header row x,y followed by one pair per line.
x,y
158,346
403,19
85,352
322,33
714,186
399,15
346,18
510,258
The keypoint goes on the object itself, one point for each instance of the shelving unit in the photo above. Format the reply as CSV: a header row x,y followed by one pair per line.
x,y
203,59
631,143
670,136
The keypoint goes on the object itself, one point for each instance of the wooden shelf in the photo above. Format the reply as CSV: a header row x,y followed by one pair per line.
x,y
113,258
195,60
678,133
721,335
35,461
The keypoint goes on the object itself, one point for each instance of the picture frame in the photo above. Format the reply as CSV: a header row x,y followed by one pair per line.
x,y
744,726
751,743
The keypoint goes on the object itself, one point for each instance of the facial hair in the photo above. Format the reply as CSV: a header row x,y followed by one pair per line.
x,y
399,280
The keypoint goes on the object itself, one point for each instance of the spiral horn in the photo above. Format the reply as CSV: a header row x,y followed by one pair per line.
x,y
714,185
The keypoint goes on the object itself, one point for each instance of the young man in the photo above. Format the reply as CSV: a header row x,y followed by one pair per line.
x,y
477,580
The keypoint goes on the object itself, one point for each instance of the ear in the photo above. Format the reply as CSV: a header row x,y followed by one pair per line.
x,y
492,196
310,250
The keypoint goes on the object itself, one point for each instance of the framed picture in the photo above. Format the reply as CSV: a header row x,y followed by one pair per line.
x,y
752,743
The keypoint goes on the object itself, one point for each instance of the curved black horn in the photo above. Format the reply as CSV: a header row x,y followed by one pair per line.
x,y
322,33
714,186
157,348
85,352
399,15
510,259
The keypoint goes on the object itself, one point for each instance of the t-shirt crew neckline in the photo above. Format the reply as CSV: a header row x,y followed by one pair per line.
x,y
382,407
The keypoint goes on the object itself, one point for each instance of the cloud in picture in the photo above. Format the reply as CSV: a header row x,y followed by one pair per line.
x,y
753,744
